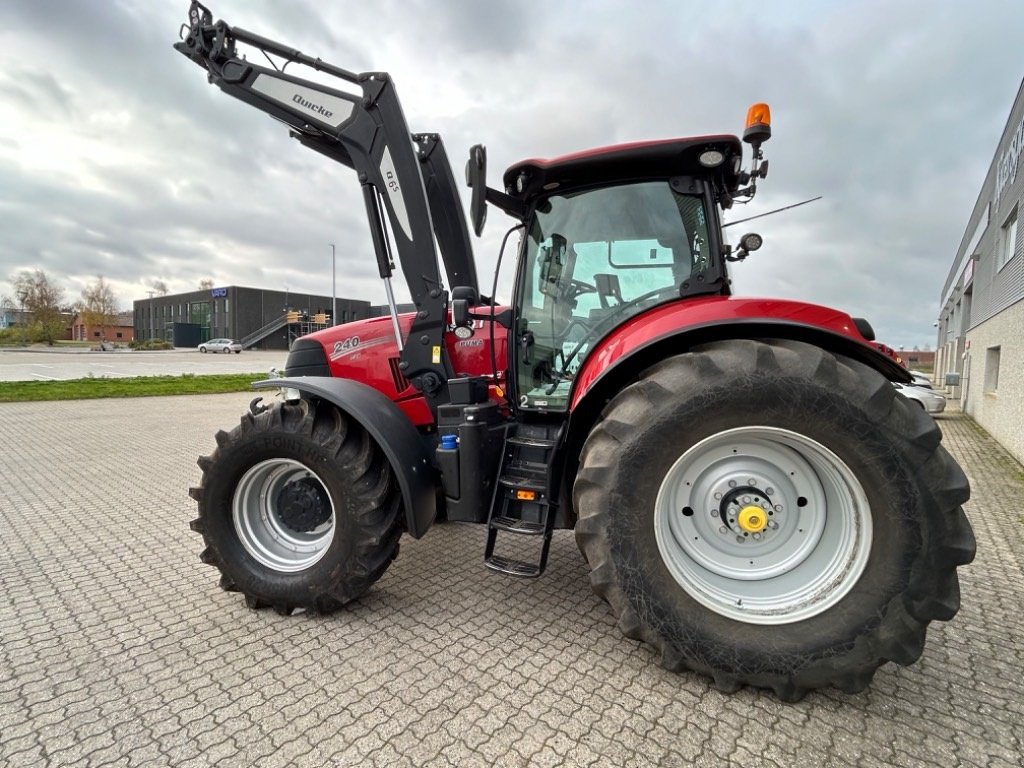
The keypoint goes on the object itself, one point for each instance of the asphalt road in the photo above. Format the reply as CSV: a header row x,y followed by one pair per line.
x,y
118,648
41,364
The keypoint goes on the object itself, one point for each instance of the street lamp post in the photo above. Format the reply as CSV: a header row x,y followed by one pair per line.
x,y
334,289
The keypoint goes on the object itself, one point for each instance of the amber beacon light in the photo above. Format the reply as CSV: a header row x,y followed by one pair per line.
x,y
759,124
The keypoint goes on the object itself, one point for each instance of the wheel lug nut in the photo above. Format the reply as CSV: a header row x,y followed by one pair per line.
x,y
772,524
778,507
769,491
732,483
757,537
739,539
714,513
718,495
752,482
722,529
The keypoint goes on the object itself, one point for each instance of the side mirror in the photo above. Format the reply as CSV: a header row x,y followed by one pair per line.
x,y
463,297
476,179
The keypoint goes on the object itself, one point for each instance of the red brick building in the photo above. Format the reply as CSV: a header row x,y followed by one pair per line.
x,y
120,333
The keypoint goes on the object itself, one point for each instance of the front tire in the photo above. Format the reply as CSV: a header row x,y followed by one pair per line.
x,y
770,514
298,508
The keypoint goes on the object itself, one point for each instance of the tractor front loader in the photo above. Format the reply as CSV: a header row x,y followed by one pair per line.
x,y
753,497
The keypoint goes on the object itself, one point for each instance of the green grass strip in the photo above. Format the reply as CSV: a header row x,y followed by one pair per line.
x,y
134,386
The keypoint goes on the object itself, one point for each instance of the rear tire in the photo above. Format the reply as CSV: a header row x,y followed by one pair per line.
x,y
857,540
298,508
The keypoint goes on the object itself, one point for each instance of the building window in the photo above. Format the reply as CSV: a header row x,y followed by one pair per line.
x,y
992,369
119,334
1007,241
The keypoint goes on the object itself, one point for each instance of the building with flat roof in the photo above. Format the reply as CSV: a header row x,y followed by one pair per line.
x,y
258,318
981,320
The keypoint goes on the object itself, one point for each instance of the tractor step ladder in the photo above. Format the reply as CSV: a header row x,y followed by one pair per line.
x,y
521,504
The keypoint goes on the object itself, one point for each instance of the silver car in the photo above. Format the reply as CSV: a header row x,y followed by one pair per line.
x,y
921,379
220,345
929,399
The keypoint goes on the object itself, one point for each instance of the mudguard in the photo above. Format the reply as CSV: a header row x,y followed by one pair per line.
x,y
673,328
388,425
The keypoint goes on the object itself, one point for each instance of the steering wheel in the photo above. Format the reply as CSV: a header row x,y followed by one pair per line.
x,y
579,288
594,332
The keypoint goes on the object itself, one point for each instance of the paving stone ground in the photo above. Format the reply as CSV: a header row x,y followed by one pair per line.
x,y
118,648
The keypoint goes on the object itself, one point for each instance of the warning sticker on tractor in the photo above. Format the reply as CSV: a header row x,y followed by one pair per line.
x,y
436,356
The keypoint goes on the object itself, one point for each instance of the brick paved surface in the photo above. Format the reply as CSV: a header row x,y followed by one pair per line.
x,y
119,649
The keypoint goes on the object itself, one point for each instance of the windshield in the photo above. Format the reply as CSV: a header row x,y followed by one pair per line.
x,y
594,259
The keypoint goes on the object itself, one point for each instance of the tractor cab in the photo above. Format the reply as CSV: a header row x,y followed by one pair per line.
x,y
593,259
609,234
596,256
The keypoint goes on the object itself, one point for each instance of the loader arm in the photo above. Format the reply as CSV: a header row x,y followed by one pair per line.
x,y
446,211
367,132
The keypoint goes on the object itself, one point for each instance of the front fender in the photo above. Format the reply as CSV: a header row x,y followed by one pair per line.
x,y
388,425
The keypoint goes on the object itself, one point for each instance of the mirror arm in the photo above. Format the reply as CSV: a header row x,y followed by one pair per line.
x,y
510,205
503,318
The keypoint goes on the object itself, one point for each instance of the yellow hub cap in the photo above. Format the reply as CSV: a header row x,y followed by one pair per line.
x,y
752,519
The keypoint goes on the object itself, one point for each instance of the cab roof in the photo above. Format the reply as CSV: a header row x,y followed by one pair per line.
x,y
624,162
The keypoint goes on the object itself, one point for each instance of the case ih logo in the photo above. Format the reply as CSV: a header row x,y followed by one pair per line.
x,y
311,106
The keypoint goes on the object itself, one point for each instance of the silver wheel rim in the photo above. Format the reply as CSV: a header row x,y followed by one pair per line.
x,y
259,524
816,534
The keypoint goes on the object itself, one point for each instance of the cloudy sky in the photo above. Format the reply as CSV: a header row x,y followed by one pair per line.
x,y
117,158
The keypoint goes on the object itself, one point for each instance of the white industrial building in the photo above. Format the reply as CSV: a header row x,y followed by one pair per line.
x,y
981,320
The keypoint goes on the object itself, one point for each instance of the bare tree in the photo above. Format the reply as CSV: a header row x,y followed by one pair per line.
x,y
98,306
39,300
159,287
205,285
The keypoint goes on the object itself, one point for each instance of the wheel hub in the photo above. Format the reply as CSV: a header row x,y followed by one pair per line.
x,y
303,505
752,519
747,510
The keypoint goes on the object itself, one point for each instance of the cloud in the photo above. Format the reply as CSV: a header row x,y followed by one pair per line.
x,y
117,157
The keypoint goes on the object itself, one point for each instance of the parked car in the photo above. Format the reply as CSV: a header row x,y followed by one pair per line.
x,y
220,345
921,379
930,400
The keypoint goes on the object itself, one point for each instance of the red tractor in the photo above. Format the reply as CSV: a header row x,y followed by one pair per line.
x,y
753,498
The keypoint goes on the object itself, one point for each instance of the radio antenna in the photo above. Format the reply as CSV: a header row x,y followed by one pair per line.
x,y
777,210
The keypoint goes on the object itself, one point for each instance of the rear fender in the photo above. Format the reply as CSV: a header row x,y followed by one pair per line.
x,y
388,425
674,328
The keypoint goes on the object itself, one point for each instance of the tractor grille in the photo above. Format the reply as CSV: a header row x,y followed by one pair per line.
x,y
401,383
